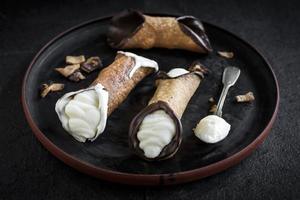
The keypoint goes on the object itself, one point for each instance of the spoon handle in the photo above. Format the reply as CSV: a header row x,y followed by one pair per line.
x,y
230,76
222,100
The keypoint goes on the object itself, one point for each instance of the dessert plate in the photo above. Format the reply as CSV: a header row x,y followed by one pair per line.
x,y
109,157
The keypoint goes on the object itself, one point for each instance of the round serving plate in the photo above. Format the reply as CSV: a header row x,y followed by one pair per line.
x,y
109,157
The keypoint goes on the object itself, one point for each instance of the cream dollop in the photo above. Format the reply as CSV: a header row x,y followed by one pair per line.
x,y
83,113
139,62
212,129
156,131
175,72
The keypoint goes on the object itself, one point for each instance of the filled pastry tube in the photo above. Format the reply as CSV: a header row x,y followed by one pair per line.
x,y
132,29
84,113
155,132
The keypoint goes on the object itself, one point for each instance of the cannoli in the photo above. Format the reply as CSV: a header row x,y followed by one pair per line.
x,y
83,113
155,132
132,29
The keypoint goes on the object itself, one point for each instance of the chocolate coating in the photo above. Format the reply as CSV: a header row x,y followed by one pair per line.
x,y
124,26
170,149
194,28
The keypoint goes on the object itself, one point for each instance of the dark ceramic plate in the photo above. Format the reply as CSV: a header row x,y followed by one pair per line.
x,y
109,157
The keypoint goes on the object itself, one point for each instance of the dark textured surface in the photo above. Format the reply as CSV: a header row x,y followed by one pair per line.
x,y
28,171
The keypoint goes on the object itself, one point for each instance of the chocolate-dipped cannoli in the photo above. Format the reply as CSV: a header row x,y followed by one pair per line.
x,y
83,113
155,132
132,29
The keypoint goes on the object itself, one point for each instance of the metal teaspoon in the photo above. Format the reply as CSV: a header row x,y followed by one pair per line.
x,y
230,76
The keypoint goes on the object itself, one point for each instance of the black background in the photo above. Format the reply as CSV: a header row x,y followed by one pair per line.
x,y
28,171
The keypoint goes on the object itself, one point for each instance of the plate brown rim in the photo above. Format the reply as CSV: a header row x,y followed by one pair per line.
x,y
144,179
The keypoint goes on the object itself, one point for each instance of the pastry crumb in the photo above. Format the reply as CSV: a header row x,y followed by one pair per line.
x,y
213,108
76,76
211,100
91,64
226,54
248,97
75,59
68,70
53,87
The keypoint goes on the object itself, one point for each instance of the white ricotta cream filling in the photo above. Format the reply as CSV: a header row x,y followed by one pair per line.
x,y
155,132
177,72
212,129
83,113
